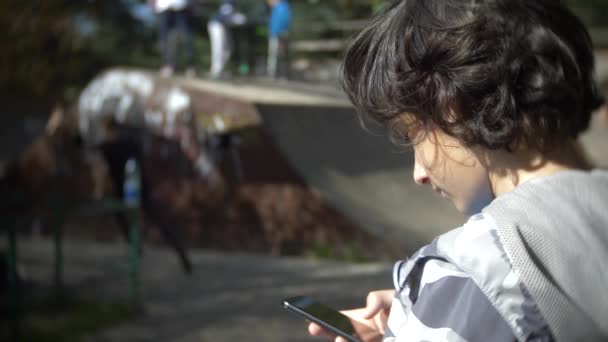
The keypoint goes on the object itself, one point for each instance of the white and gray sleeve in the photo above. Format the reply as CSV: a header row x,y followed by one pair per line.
x,y
446,305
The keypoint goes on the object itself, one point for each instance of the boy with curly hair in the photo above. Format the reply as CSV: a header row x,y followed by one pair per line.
x,y
492,96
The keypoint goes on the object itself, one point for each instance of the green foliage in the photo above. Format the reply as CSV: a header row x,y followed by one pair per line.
x,y
321,251
351,252
50,47
30,33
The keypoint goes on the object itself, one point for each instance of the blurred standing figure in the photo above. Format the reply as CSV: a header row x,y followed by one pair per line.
x,y
121,143
173,14
278,38
219,35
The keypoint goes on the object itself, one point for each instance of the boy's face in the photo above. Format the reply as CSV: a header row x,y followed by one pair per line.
x,y
451,169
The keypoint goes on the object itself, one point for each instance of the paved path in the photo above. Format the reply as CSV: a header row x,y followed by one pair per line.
x,y
230,297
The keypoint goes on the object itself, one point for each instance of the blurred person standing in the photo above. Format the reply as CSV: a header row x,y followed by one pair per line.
x,y
278,38
173,14
245,37
121,144
220,36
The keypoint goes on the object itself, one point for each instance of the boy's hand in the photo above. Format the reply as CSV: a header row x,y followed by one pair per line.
x,y
369,322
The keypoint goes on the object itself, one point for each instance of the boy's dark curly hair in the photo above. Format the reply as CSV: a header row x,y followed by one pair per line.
x,y
492,73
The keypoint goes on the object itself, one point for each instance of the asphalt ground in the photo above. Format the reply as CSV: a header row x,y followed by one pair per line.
x,y
228,297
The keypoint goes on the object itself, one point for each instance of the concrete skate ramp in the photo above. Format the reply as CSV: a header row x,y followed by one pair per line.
x,y
360,173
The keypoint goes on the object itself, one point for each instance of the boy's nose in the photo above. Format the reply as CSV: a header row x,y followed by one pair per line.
x,y
421,177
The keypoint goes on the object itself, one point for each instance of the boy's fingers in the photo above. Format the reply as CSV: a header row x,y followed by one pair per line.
x,y
373,305
314,329
317,330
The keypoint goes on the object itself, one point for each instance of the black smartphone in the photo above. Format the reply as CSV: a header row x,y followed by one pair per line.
x,y
330,319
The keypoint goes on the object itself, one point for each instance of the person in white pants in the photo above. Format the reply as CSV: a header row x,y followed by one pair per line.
x,y
174,14
219,35
221,47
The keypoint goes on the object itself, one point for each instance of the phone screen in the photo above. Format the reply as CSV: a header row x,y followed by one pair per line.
x,y
329,318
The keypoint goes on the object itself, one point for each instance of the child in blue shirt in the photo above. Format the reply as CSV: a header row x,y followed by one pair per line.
x,y
278,38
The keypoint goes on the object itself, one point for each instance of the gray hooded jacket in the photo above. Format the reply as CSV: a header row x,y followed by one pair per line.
x,y
532,267
555,232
